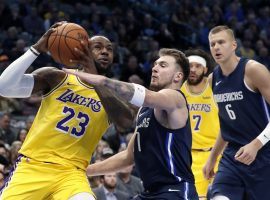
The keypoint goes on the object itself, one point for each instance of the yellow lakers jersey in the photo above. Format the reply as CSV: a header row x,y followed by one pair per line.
x,y
203,114
68,125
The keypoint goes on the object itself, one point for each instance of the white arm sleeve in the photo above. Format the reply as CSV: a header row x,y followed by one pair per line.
x,y
13,82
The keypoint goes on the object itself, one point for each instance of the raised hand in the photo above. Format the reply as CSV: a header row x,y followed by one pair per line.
x,y
85,57
42,44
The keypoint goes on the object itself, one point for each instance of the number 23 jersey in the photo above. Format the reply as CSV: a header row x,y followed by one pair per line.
x,y
68,125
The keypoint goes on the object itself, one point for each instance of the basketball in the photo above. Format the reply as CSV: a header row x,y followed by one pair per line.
x,y
63,40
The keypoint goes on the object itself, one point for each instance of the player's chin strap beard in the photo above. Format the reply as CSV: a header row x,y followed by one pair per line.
x,y
101,70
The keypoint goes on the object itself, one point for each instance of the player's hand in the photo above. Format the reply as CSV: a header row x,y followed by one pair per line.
x,y
85,57
247,154
42,44
208,169
93,79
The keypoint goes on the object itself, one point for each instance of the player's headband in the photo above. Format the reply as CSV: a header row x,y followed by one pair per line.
x,y
197,59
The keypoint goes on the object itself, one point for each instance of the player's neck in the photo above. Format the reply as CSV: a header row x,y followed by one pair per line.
x,y
199,88
229,65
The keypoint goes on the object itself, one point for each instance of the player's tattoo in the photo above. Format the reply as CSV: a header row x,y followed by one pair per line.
x,y
124,90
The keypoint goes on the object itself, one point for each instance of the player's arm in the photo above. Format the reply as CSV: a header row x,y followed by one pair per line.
x,y
13,81
166,99
208,169
121,114
257,78
115,163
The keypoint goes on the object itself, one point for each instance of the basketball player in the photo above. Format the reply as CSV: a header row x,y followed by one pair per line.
x,y
68,125
241,89
162,139
203,114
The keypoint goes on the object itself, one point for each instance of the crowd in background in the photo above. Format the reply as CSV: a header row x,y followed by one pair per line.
x,y
138,29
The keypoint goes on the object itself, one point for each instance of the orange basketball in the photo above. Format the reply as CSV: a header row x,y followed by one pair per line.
x,y
62,42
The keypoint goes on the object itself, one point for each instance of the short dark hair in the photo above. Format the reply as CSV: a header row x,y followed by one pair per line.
x,y
220,28
180,59
210,64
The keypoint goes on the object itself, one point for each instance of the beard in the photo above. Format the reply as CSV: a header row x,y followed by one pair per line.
x,y
102,70
196,81
154,88
109,185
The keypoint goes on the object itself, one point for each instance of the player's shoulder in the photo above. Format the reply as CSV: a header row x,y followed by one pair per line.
x,y
172,92
47,78
49,73
253,67
253,64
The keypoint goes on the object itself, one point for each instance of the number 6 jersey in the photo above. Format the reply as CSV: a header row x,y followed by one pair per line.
x,y
243,113
68,125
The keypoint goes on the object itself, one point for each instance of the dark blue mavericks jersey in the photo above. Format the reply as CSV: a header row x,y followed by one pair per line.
x,y
162,156
243,113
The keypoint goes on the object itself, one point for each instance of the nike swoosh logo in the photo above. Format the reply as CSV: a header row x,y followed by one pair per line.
x,y
266,137
173,190
217,83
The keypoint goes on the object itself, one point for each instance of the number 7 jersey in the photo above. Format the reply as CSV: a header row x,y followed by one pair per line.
x,y
70,122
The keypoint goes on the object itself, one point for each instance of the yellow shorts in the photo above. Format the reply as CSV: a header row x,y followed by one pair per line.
x,y
44,181
199,159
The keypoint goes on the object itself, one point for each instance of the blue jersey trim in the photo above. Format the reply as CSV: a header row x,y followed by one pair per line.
x,y
169,141
186,190
266,109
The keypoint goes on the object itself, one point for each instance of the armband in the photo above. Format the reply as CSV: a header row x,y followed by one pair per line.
x,y
138,96
264,137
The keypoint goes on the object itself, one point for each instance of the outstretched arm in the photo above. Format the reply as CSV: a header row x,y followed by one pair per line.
x,y
115,163
135,94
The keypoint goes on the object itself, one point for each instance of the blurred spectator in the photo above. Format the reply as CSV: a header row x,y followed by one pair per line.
x,y
132,67
31,104
22,135
246,50
109,31
4,62
129,183
33,23
135,79
11,38
10,105
4,152
14,149
99,150
264,57
29,121
7,134
106,153
108,189
18,50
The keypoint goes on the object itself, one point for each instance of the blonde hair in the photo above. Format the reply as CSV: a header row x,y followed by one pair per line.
x,y
218,29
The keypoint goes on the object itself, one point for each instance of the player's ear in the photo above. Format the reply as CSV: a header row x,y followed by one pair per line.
x,y
234,45
205,70
178,76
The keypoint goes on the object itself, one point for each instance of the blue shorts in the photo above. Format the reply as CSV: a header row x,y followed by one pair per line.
x,y
238,181
182,191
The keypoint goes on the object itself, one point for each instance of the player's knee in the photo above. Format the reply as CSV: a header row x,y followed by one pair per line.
x,y
220,197
82,196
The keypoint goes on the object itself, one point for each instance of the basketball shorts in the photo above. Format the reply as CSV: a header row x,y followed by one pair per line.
x,y
32,179
238,181
199,159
